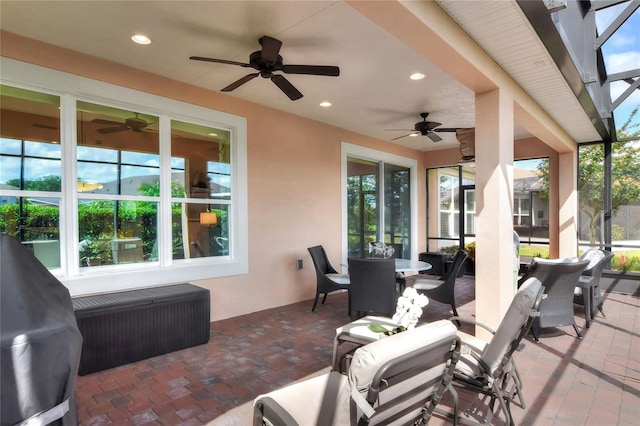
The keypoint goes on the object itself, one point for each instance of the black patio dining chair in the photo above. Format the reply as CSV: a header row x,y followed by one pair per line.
x,y
374,289
443,290
327,278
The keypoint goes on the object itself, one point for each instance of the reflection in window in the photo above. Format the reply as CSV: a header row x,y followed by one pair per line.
x,y
362,205
30,164
397,218
117,232
36,222
201,168
207,228
117,155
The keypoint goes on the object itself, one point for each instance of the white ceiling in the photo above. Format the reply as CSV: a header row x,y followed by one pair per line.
x,y
373,92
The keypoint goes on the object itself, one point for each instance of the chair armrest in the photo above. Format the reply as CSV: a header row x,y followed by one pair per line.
x,y
268,408
471,321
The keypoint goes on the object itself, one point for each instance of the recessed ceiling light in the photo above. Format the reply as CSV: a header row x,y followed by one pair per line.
x,y
417,76
141,39
413,135
213,134
325,104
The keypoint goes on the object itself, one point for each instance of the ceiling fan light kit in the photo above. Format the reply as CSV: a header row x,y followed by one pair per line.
x,y
266,62
424,128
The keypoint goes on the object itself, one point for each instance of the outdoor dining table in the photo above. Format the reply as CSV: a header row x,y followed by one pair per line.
x,y
357,332
407,265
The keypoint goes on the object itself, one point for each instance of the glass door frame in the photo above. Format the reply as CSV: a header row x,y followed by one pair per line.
x,y
356,151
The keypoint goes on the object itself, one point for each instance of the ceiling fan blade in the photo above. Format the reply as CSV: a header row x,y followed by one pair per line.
x,y
107,122
286,87
270,49
240,82
403,136
45,126
446,129
112,130
434,137
219,61
312,69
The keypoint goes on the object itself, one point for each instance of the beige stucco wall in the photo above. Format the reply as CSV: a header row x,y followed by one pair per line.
x,y
294,187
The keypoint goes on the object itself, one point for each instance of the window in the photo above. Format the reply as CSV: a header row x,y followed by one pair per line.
x,y
521,210
379,201
449,202
448,190
201,190
31,171
105,193
117,174
531,206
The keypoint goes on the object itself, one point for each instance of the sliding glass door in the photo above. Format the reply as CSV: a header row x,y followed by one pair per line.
x,y
368,219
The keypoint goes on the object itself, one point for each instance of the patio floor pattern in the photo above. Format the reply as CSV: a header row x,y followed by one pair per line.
x,y
593,381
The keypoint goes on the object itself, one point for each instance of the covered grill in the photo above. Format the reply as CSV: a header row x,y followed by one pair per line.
x,y
41,343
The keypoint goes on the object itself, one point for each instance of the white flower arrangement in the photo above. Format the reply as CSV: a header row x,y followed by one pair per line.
x,y
381,249
408,312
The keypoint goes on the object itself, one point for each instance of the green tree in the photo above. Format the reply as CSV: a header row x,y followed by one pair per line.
x,y
47,183
625,175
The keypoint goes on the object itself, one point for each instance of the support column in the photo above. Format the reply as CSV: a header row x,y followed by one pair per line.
x,y
494,214
568,204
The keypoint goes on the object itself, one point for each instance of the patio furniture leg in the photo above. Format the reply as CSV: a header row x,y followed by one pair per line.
x,y
587,293
575,327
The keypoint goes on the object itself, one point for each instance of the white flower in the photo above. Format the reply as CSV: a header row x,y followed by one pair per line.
x,y
409,308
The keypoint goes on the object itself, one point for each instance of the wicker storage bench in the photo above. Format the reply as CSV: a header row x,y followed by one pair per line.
x,y
124,327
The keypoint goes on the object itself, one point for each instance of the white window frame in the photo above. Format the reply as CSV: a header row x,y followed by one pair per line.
x,y
71,88
356,151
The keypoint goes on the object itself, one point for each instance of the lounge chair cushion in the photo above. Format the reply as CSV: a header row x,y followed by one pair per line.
x,y
491,354
326,399
368,359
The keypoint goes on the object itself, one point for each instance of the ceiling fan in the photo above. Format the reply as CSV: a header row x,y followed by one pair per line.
x,y
425,128
266,62
135,124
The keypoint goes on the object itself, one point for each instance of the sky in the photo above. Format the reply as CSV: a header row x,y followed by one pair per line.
x,y
621,53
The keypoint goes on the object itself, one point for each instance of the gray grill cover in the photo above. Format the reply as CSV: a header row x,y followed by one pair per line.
x,y
41,342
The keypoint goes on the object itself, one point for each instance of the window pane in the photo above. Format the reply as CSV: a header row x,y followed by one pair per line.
x,y
28,115
35,222
531,204
117,232
30,161
10,146
362,205
10,169
118,150
30,140
207,229
42,175
397,209
205,169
